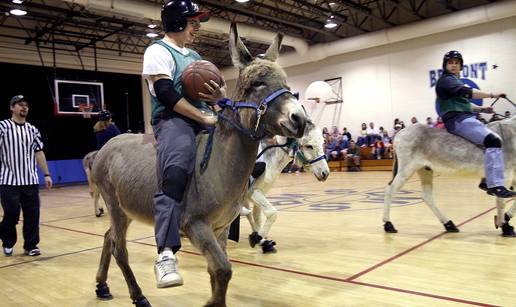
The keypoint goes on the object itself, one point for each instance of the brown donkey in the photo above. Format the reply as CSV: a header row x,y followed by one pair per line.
x,y
125,171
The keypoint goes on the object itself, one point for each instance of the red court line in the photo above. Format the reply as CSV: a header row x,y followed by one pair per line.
x,y
446,298
344,280
374,267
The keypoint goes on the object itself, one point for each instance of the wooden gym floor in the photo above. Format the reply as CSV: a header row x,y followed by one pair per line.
x,y
332,251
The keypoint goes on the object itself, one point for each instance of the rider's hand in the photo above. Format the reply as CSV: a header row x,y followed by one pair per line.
x,y
217,92
487,110
209,121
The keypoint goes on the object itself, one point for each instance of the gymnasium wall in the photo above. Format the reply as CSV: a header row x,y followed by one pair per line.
x,y
396,81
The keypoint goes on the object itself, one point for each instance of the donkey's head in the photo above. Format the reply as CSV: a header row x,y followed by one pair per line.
x,y
310,152
263,84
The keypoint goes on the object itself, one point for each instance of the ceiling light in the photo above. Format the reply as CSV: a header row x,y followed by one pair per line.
x,y
18,1
332,3
152,35
242,1
152,25
18,12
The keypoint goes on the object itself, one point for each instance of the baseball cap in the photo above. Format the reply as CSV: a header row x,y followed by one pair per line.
x,y
17,99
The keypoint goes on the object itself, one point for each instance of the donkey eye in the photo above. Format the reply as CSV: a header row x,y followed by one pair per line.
x,y
257,83
309,147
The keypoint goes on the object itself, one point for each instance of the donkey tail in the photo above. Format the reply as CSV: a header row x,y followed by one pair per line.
x,y
394,166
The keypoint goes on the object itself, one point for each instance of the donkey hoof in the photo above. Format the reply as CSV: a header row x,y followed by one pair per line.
x,y
389,228
508,230
268,247
142,302
100,213
254,238
450,227
102,291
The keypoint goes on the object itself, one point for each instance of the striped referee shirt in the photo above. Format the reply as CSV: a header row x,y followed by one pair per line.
x,y
18,145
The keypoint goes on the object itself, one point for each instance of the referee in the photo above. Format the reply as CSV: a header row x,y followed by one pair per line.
x,y
20,148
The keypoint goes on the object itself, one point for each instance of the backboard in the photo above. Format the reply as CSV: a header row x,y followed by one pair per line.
x,y
70,95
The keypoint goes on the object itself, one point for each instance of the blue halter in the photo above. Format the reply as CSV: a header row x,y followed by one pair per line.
x,y
260,110
235,105
304,161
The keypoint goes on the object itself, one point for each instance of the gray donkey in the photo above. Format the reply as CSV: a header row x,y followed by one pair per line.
x,y
125,171
87,164
419,148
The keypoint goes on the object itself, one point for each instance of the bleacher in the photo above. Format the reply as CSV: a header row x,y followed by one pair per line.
x,y
367,161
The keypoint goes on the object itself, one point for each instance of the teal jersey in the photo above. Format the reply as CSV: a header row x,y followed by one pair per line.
x,y
181,62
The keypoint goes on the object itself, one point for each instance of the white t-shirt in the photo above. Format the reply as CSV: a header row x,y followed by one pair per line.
x,y
372,130
157,60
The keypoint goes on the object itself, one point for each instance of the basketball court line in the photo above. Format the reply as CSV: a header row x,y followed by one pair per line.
x,y
352,194
350,280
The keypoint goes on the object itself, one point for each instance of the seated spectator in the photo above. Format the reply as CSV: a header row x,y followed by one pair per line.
x,y
335,131
331,146
402,123
339,152
372,133
396,122
325,131
439,124
388,143
346,134
362,139
353,157
430,122
397,128
413,120
507,114
378,148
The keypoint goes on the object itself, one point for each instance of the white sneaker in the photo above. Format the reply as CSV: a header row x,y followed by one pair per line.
x,y
244,211
167,272
8,251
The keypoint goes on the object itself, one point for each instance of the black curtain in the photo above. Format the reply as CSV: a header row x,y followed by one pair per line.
x,y
70,137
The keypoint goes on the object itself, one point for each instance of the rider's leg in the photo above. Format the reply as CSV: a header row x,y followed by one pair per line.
x,y
473,130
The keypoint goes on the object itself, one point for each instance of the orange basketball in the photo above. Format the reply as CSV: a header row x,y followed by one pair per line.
x,y
196,74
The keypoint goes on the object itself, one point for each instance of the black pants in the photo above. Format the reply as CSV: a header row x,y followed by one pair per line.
x,y
14,198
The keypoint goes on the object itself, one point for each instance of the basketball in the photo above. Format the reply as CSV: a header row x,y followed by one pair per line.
x,y
196,74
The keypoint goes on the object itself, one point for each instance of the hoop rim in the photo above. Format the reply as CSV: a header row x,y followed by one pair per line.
x,y
85,109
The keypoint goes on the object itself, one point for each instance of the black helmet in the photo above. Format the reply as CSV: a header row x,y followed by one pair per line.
x,y
174,14
452,55
105,115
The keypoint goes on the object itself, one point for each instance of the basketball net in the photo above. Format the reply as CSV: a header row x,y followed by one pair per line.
x,y
85,109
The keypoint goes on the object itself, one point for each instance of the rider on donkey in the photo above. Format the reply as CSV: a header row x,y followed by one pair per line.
x,y
454,107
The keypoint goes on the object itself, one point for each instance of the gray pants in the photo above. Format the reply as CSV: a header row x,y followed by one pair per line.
x,y
473,130
175,161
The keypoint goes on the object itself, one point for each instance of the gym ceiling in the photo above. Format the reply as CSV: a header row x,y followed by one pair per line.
x,y
67,27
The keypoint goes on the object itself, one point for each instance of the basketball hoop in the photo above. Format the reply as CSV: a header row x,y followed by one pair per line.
x,y
85,109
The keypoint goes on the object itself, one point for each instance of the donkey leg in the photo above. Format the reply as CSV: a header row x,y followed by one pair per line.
x,y
99,211
118,232
271,213
502,219
201,235
394,186
254,238
102,290
427,177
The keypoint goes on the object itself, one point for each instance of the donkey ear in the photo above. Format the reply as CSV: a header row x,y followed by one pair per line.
x,y
239,53
273,51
